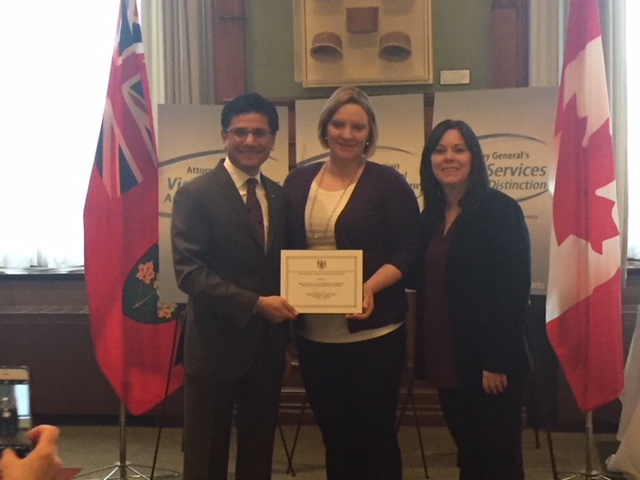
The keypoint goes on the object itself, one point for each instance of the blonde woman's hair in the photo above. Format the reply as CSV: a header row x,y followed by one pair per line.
x,y
341,97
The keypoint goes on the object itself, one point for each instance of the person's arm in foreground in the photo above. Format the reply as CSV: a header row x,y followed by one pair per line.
x,y
41,464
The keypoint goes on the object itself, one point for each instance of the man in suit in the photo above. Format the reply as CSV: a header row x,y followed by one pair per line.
x,y
227,259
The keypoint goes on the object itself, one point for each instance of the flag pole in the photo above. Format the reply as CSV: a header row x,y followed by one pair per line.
x,y
121,469
588,473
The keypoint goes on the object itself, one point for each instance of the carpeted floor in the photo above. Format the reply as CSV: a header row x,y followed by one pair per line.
x,y
605,449
67,473
96,447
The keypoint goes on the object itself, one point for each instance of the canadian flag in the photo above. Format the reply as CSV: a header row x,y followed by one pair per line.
x,y
584,288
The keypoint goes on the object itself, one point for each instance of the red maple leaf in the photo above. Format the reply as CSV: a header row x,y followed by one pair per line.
x,y
577,210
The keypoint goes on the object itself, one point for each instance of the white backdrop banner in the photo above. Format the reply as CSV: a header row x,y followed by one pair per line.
x,y
515,127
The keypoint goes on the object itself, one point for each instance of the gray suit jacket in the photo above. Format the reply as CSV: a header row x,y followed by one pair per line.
x,y
220,264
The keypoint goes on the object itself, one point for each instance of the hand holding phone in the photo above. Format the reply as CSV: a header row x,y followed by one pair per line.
x,y
42,464
15,409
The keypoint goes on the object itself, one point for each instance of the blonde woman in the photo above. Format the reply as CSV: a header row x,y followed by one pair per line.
x,y
352,363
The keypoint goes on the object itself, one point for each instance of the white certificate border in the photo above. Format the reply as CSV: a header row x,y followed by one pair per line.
x,y
357,256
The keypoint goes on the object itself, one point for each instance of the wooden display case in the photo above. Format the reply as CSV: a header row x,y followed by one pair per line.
x,y
362,42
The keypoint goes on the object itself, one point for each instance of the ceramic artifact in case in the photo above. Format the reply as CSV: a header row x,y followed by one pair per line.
x,y
326,47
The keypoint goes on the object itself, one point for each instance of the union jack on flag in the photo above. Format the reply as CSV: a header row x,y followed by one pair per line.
x,y
126,137
134,334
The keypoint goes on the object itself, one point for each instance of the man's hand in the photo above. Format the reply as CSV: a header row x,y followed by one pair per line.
x,y
276,309
494,383
42,463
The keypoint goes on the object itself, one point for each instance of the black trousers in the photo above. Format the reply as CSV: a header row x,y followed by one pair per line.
x,y
487,430
353,389
209,408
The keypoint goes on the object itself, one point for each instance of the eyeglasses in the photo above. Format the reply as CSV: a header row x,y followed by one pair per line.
x,y
243,133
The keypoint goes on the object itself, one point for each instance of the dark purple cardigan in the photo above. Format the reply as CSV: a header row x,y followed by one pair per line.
x,y
381,218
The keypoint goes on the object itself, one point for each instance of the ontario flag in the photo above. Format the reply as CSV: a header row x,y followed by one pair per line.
x,y
584,288
133,332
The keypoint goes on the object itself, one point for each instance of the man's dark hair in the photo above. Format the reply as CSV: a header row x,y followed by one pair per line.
x,y
250,103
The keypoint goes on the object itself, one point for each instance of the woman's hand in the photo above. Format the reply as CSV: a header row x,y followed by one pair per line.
x,y
367,305
386,275
494,383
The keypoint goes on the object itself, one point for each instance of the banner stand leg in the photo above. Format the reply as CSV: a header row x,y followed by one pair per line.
x,y
409,397
589,473
123,470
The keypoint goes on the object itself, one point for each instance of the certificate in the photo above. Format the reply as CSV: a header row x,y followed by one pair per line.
x,y
322,281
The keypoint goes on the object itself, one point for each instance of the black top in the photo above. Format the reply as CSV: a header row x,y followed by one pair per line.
x,y
440,370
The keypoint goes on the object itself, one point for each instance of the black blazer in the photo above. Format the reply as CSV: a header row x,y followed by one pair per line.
x,y
487,283
220,264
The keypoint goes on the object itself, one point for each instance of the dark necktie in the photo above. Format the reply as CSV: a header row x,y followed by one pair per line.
x,y
255,209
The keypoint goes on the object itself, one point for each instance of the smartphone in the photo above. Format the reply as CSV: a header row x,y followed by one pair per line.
x,y
15,410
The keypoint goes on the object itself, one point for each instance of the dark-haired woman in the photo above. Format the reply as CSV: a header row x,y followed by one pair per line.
x,y
472,304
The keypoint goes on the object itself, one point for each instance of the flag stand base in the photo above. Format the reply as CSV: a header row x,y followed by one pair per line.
x,y
588,473
123,470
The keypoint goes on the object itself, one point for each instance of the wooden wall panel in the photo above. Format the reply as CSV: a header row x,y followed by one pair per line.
x,y
229,49
66,383
510,43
